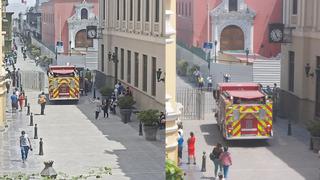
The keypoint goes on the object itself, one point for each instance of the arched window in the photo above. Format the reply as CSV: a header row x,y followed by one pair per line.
x,y
84,13
82,41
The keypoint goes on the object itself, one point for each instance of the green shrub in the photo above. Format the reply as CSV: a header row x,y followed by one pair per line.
x,y
314,128
173,172
149,117
106,91
126,102
182,67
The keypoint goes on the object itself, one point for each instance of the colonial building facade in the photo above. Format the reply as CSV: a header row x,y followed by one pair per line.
x,y
300,74
236,25
138,43
66,21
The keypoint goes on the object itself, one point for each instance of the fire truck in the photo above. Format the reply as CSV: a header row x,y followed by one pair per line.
x,y
244,111
63,83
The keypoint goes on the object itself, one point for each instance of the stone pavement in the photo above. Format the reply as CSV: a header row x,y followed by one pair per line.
x,y
283,157
78,143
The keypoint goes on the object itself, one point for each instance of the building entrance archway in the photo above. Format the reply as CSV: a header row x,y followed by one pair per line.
x,y
232,38
81,40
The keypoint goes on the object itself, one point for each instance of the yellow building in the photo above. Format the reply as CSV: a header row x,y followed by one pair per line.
x,y
3,4
172,108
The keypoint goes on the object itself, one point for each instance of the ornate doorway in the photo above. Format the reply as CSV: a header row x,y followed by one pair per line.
x,y
82,41
232,38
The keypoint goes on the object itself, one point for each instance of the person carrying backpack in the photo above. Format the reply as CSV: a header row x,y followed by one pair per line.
x,y
214,156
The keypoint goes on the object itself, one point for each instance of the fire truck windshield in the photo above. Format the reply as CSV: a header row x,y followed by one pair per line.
x,y
64,75
249,101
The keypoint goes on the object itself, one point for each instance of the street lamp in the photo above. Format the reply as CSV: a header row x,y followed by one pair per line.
x,y
114,58
215,51
247,54
159,72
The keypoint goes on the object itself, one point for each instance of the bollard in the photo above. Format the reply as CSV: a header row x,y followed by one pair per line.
x,y
140,129
25,101
28,110
289,128
31,119
203,168
35,132
41,147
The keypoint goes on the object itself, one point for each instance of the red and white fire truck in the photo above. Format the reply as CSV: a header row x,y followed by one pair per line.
x,y
244,111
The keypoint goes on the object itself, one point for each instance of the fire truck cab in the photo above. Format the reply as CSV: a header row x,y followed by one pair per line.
x,y
244,111
63,83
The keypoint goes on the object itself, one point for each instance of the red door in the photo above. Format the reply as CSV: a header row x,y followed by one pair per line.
x,y
249,125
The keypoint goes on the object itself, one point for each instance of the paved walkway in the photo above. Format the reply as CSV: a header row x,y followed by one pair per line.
x,y
78,143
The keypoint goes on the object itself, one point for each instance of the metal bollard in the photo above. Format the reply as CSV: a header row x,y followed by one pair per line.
x,y
41,147
289,128
140,129
31,119
28,110
35,132
26,101
203,168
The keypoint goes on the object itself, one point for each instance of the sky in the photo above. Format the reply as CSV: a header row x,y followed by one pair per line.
x,y
16,6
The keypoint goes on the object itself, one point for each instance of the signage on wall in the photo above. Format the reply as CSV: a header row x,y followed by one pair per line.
x,y
59,47
91,32
276,33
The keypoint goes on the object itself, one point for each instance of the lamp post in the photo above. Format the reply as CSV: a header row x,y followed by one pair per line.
x,y
215,51
114,58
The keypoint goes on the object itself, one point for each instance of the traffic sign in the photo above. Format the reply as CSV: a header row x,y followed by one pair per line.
x,y
207,45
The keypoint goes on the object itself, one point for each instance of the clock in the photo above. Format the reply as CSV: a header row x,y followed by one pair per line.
x,y
276,33
92,32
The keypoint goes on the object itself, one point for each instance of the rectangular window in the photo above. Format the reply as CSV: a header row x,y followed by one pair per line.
x,y
157,11
129,67
118,10
182,9
291,71
317,111
122,63
102,57
145,73
318,62
147,10
139,11
233,5
136,69
154,76
104,9
189,8
124,9
294,7
131,10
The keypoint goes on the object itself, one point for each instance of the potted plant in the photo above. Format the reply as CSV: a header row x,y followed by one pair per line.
x,y
182,68
125,104
150,120
314,129
106,92
173,172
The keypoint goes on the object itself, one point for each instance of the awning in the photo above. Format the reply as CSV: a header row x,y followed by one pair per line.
x,y
246,94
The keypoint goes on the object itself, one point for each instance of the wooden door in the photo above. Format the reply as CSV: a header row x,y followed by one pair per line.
x,y
232,38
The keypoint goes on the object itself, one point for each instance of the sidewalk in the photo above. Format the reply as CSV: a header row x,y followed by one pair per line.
x,y
77,143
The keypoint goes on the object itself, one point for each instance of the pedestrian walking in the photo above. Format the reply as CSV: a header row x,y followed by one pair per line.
x,y
14,102
18,78
162,121
220,177
180,128
180,147
191,148
215,157
25,145
105,107
201,83
21,100
98,105
42,101
226,161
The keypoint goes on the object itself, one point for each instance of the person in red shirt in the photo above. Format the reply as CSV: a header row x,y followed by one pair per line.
x,y
21,100
191,148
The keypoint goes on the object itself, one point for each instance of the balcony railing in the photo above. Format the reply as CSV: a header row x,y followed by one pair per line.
x,y
138,27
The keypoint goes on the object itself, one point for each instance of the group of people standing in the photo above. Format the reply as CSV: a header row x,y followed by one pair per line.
x,y
17,100
201,81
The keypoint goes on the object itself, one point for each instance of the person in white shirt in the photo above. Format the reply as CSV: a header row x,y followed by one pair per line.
x,y
98,105
209,80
